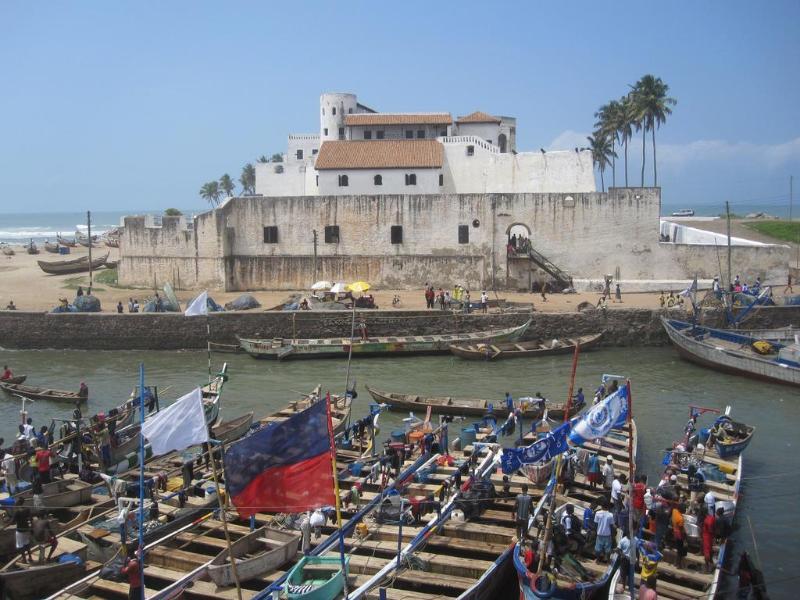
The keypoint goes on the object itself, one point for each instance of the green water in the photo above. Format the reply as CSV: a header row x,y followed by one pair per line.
x,y
663,387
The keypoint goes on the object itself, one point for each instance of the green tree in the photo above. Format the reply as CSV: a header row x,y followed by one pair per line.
x,y
603,154
608,118
652,107
248,179
262,159
172,212
277,157
227,185
211,193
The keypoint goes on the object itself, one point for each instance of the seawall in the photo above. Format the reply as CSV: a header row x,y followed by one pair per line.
x,y
164,331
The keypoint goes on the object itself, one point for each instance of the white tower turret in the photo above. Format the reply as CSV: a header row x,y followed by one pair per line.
x,y
333,108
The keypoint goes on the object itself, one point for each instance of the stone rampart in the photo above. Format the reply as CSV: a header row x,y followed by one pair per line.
x,y
164,331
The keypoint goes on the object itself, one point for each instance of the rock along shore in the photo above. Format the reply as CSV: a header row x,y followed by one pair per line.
x,y
168,331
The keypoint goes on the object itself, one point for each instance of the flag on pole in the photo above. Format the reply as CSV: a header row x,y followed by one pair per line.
x,y
179,426
198,306
284,467
545,448
607,414
691,290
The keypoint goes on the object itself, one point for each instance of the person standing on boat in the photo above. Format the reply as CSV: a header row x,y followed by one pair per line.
x,y
605,523
509,403
679,535
22,522
83,390
44,533
43,456
593,470
104,441
709,525
608,474
133,570
522,512
647,591
9,469
7,374
79,293
28,430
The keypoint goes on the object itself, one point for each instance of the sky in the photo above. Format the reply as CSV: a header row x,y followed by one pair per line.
x,y
134,105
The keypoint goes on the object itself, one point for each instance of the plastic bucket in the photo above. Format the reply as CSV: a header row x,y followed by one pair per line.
x,y
398,435
468,435
355,469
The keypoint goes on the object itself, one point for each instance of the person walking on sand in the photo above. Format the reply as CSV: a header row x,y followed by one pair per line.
x,y
618,295
545,289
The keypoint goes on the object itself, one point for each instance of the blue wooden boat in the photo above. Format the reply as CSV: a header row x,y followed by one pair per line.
x,y
735,352
730,437
316,578
546,585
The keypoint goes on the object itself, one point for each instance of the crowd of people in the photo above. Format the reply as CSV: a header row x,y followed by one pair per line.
x,y
459,299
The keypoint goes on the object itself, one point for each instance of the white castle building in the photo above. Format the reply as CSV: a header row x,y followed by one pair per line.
x,y
361,151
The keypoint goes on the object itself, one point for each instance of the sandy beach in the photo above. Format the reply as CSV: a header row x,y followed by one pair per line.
x,y
22,281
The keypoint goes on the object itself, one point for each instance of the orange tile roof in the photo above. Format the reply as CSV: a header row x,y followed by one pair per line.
x,y
399,119
380,154
478,117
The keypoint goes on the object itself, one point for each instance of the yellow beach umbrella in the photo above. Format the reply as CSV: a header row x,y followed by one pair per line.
x,y
359,287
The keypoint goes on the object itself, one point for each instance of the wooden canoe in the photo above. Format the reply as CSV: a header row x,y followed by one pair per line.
x,y
31,582
316,578
51,247
257,553
8,251
524,349
16,379
65,242
61,493
409,345
732,352
39,393
112,243
478,407
228,431
67,267
31,248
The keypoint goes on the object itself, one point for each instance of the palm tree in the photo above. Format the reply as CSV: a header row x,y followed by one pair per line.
x,y
262,159
625,125
226,184
652,108
609,120
248,179
210,192
602,147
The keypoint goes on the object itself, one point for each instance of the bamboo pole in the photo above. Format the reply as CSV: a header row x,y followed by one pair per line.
x,y
631,475
223,518
336,493
557,471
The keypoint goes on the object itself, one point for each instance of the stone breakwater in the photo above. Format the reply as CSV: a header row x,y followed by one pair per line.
x,y
165,331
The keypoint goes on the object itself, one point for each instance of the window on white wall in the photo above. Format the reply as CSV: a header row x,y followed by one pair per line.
x,y
350,111
341,133
325,131
411,179
421,133
344,181
367,134
441,179
409,134
470,150
331,234
334,111
271,234
323,110
379,134
463,234
300,154
378,179
397,234
314,151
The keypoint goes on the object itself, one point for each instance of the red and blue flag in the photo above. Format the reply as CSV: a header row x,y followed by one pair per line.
x,y
284,467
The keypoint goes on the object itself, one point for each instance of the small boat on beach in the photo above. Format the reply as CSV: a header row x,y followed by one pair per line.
x,y
39,393
735,352
483,351
66,242
257,553
62,493
530,408
31,248
8,251
316,578
53,248
76,265
283,348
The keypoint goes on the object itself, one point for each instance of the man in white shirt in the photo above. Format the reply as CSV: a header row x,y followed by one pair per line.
x,y
711,502
617,495
602,546
28,430
10,472
484,301
608,472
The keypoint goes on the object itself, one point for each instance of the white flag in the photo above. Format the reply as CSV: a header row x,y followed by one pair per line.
x,y
198,306
179,426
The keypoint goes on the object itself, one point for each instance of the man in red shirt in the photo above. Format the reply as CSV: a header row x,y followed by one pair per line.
x,y
637,498
709,524
43,455
133,570
7,374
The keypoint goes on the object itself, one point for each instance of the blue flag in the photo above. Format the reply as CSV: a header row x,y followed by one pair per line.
x,y
547,447
604,416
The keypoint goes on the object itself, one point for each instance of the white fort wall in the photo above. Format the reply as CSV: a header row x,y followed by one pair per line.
x,y
587,235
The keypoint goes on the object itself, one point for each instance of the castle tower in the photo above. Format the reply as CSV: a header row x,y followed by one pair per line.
x,y
333,108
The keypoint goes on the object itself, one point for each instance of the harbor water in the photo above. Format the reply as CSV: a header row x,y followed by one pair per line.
x,y
663,387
